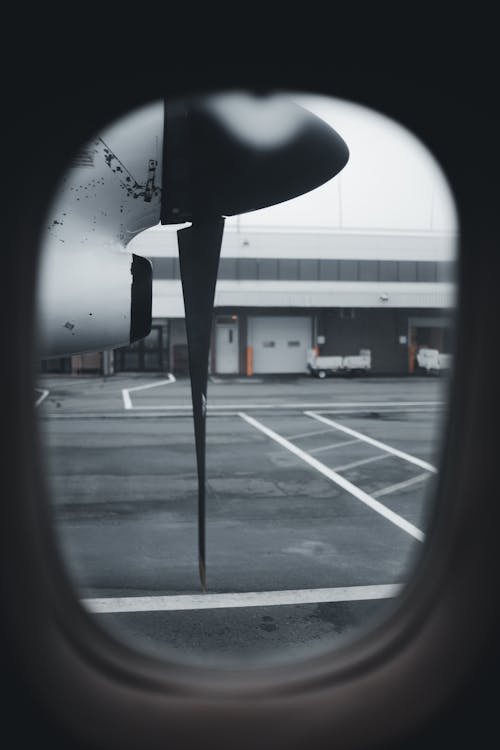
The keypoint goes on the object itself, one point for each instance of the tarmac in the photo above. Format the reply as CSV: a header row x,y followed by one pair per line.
x,y
319,499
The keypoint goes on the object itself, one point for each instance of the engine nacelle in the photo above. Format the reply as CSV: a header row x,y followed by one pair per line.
x,y
90,300
92,293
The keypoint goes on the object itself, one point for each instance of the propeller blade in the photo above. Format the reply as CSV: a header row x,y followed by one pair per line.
x,y
199,251
228,154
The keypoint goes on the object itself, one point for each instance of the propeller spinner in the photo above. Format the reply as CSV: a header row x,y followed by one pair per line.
x,y
223,155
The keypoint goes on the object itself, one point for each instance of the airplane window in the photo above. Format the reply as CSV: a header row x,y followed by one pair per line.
x,y
246,330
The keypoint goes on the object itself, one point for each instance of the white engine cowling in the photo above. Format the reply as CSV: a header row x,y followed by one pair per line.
x,y
90,300
93,294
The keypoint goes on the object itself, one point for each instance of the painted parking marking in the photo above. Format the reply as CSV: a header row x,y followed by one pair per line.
x,y
127,401
134,413
401,485
333,445
42,397
185,410
333,476
377,443
112,605
338,406
361,462
308,434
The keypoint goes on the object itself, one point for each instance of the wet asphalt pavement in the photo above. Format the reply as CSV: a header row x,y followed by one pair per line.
x,y
123,484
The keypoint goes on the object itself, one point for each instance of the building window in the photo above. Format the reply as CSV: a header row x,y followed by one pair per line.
x,y
348,270
388,270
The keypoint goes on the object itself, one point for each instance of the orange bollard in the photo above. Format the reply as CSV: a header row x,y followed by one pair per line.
x,y
249,361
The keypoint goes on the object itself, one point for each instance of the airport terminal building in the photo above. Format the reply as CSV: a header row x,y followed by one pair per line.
x,y
281,293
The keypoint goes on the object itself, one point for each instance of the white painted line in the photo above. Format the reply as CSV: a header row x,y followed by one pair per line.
x,y
42,397
328,406
391,410
401,485
134,413
248,599
333,445
170,379
183,411
308,434
383,446
127,402
361,462
338,479
388,403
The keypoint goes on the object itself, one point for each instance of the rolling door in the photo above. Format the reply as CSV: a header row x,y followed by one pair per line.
x,y
279,343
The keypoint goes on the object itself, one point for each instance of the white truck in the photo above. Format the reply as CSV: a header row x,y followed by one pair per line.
x,y
432,360
321,367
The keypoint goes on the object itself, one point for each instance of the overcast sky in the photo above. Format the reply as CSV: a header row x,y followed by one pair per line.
x,y
391,181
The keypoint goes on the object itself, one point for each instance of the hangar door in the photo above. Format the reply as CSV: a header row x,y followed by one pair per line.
x,y
279,343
